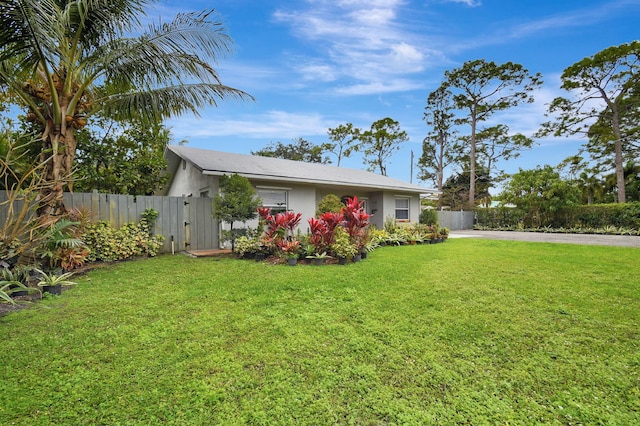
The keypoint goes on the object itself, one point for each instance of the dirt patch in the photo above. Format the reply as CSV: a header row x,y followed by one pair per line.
x,y
22,302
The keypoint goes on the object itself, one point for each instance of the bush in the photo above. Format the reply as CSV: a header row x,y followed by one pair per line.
x,y
428,217
499,217
329,203
131,240
625,215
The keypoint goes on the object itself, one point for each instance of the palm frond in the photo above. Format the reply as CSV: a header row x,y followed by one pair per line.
x,y
181,50
168,101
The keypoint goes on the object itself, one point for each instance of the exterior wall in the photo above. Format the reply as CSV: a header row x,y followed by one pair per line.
x,y
188,180
389,207
414,209
376,207
302,199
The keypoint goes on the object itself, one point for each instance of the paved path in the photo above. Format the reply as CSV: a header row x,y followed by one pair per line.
x,y
541,237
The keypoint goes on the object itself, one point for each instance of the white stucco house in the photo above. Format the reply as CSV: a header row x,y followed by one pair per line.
x,y
292,185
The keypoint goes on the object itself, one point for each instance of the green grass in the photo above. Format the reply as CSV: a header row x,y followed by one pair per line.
x,y
467,332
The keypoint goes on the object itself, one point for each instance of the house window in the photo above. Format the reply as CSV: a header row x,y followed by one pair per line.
x,y
402,209
276,199
365,203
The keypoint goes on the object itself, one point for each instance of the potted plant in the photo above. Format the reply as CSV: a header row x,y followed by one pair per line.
x,y
52,283
319,258
445,233
290,250
342,245
10,289
12,280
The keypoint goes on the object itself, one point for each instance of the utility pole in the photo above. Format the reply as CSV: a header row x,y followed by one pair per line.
x,y
411,168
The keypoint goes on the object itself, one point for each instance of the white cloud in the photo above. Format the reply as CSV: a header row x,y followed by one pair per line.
x,y
379,87
406,57
268,125
317,72
470,3
358,40
567,19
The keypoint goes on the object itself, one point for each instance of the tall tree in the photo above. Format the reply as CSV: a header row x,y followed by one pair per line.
x,y
592,187
380,142
438,146
342,140
68,59
495,144
299,150
455,191
480,90
606,90
121,158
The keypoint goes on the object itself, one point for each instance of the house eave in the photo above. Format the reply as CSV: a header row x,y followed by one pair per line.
x,y
315,181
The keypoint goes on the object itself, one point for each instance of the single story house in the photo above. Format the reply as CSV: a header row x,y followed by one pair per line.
x,y
292,185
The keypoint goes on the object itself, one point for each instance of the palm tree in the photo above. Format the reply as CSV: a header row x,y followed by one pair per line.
x,y
64,60
591,187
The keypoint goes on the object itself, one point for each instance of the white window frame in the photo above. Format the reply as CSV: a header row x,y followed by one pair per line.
x,y
403,209
275,207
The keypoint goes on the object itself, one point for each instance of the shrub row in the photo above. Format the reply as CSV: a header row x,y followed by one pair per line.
x,y
131,240
625,215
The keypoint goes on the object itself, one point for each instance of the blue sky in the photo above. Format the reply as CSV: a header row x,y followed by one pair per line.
x,y
315,64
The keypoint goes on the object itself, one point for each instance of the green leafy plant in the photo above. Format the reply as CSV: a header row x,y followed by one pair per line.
x,y
60,244
8,287
322,255
237,202
10,283
131,240
429,217
342,245
52,280
329,203
148,218
247,245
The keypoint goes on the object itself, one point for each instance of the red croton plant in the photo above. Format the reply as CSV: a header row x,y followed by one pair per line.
x,y
278,229
355,221
352,217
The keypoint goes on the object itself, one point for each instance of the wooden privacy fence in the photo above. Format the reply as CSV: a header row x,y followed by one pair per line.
x,y
188,220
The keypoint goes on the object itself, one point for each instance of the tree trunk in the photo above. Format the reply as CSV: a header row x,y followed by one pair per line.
x,y
620,183
440,173
58,151
472,166
622,193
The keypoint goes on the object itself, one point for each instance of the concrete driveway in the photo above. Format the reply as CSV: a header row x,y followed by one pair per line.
x,y
541,237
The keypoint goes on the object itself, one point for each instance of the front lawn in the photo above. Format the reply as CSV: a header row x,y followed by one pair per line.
x,y
469,332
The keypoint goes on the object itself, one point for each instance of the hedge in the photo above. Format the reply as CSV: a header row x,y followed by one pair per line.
x,y
625,215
